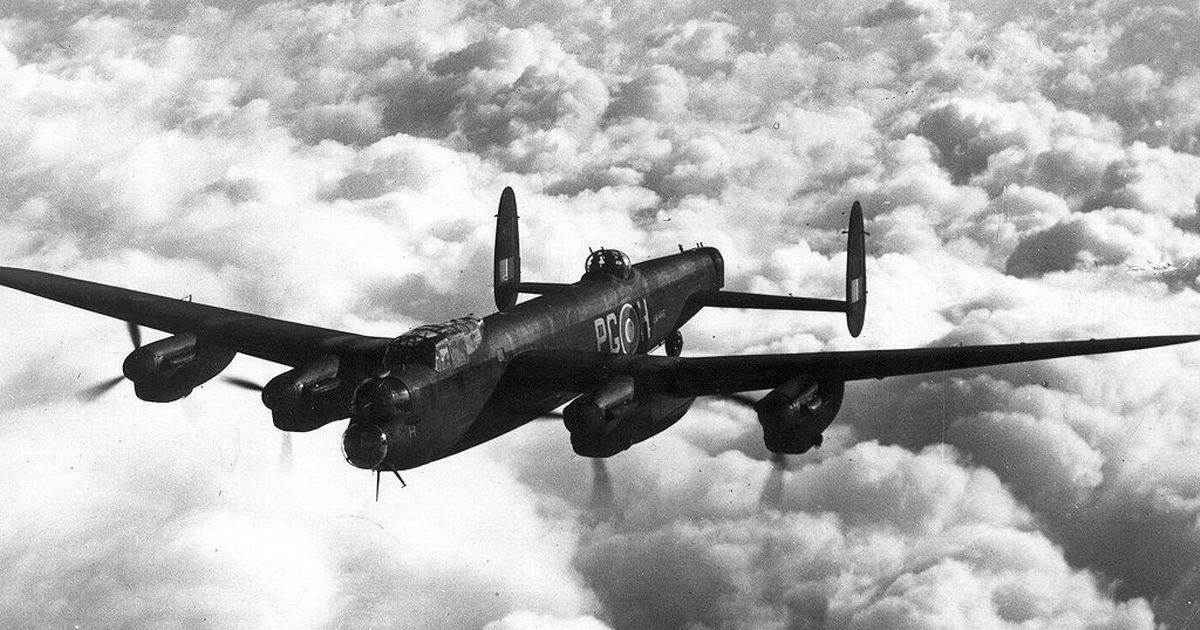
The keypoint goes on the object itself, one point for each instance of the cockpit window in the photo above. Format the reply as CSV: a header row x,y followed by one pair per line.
x,y
444,346
610,262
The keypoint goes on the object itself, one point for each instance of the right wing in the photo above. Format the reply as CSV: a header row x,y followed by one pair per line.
x,y
572,371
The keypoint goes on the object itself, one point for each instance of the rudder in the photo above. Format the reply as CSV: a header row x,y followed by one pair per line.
x,y
856,272
507,263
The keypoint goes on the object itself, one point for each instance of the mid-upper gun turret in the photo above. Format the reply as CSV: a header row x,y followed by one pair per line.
x,y
609,262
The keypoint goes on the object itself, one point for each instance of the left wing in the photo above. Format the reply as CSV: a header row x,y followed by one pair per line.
x,y
263,337
704,376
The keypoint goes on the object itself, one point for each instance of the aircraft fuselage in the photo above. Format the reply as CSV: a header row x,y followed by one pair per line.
x,y
464,407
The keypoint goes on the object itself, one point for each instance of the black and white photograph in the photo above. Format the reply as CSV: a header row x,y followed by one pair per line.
x,y
575,315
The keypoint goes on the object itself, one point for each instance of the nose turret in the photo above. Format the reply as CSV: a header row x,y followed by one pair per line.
x,y
365,445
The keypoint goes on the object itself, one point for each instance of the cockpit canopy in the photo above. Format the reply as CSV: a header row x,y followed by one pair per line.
x,y
443,346
609,262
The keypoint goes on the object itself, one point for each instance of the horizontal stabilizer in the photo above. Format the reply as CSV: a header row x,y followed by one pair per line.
x,y
854,306
733,299
540,288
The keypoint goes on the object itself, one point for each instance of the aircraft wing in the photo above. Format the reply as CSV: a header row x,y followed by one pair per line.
x,y
271,339
703,376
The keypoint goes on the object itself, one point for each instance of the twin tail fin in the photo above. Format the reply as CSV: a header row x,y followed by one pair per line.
x,y
507,283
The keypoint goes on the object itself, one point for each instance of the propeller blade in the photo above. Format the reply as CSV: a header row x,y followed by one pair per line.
x,y
99,389
604,504
772,493
103,387
740,399
244,383
135,334
285,453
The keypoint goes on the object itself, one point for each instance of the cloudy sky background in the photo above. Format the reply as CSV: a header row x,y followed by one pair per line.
x,y
1029,171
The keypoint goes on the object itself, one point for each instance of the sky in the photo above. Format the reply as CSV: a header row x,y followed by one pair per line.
x,y
1029,171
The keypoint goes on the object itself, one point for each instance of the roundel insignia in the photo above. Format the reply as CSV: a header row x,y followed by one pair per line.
x,y
630,331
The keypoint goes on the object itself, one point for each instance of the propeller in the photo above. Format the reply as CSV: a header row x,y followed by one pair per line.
x,y
772,492
604,502
135,334
93,392
243,383
285,445
99,389
285,452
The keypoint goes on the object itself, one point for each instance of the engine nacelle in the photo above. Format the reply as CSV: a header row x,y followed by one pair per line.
x,y
614,417
794,415
308,397
169,369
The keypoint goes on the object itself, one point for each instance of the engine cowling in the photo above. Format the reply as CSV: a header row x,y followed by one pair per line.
x,y
794,415
614,417
169,369
308,397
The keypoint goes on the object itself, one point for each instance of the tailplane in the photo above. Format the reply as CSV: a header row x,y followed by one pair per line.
x,y
854,306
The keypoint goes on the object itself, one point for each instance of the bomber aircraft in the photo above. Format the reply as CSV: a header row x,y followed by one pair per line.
x,y
440,389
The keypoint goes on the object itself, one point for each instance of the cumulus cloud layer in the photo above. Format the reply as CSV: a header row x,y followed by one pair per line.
x,y
1030,171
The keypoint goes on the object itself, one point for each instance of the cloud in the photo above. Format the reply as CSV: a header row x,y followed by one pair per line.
x,y
1066,447
660,92
531,621
860,544
1105,237
966,139
205,530
894,11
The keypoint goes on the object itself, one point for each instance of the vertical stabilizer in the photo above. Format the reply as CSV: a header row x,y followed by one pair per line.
x,y
856,272
508,252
